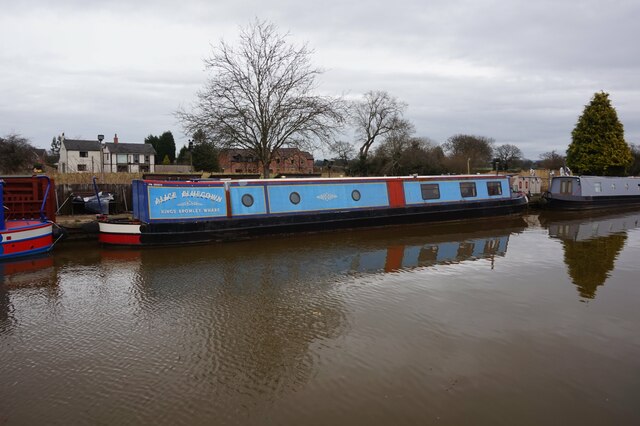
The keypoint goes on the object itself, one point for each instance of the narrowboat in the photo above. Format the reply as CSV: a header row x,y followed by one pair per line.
x,y
24,237
592,192
172,212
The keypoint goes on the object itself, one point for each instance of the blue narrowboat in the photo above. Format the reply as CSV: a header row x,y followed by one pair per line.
x,y
170,212
592,192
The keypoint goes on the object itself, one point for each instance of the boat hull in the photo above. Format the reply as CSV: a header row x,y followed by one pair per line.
x,y
189,232
590,203
25,238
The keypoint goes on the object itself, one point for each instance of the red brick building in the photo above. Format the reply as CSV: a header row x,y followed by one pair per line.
x,y
286,160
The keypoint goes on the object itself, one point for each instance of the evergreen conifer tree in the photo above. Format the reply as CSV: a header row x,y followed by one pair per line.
x,y
597,142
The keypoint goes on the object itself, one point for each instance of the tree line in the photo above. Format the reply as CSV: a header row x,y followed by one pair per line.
x,y
260,96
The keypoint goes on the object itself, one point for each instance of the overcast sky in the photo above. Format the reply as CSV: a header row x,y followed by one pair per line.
x,y
517,71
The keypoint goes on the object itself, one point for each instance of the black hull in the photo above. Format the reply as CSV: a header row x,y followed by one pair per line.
x,y
234,229
591,203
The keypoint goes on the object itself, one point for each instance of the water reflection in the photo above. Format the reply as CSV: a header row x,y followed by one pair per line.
x,y
592,243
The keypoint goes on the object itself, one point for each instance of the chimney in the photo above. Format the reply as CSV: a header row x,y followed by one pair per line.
x,y
115,138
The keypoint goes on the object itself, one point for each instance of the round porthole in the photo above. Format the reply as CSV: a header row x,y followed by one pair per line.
x,y
247,200
294,197
355,194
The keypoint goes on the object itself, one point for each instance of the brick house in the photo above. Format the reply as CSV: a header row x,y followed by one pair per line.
x,y
286,160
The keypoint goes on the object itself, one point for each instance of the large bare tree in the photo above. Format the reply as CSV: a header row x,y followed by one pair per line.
x,y
466,152
375,116
508,154
260,96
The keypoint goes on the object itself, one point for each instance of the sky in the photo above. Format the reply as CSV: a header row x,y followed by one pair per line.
x,y
517,71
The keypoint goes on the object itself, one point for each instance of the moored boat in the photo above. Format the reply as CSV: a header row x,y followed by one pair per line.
x,y
24,237
170,212
592,192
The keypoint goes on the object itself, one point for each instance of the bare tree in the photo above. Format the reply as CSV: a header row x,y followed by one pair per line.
x,y
344,150
260,97
375,116
17,155
507,154
466,152
552,160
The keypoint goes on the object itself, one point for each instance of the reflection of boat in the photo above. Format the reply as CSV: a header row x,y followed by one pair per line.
x,y
591,192
358,251
29,272
592,243
582,227
24,237
169,212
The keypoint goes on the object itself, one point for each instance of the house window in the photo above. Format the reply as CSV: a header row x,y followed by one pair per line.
x,y
146,158
495,188
144,169
122,159
136,158
468,189
82,167
106,157
84,154
122,169
566,187
430,191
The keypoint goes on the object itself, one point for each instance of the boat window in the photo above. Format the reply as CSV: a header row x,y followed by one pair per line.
x,y
468,189
247,200
566,187
597,187
355,194
613,186
495,188
294,197
626,186
430,191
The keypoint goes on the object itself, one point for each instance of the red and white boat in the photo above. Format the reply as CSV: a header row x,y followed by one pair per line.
x,y
24,237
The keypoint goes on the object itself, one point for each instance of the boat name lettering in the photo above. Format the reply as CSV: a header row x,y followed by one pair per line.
x,y
166,197
202,194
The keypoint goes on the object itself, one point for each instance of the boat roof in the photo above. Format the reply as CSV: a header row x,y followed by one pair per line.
x,y
337,179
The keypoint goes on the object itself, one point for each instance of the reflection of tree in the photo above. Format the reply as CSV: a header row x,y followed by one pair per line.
x,y
590,261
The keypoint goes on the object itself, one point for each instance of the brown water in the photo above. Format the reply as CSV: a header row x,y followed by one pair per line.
x,y
521,321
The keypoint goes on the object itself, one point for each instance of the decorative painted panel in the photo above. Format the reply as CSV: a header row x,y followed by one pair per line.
x,y
327,196
247,200
186,202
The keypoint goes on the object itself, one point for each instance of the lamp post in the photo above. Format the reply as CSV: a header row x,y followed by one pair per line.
x,y
468,166
190,154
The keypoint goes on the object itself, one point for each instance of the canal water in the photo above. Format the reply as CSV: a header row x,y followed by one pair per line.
x,y
513,321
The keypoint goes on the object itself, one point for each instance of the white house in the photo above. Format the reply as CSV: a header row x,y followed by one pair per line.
x,y
91,156
128,157
79,156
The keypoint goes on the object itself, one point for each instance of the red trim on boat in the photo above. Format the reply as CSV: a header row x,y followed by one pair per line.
x,y
395,189
12,247
119,239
